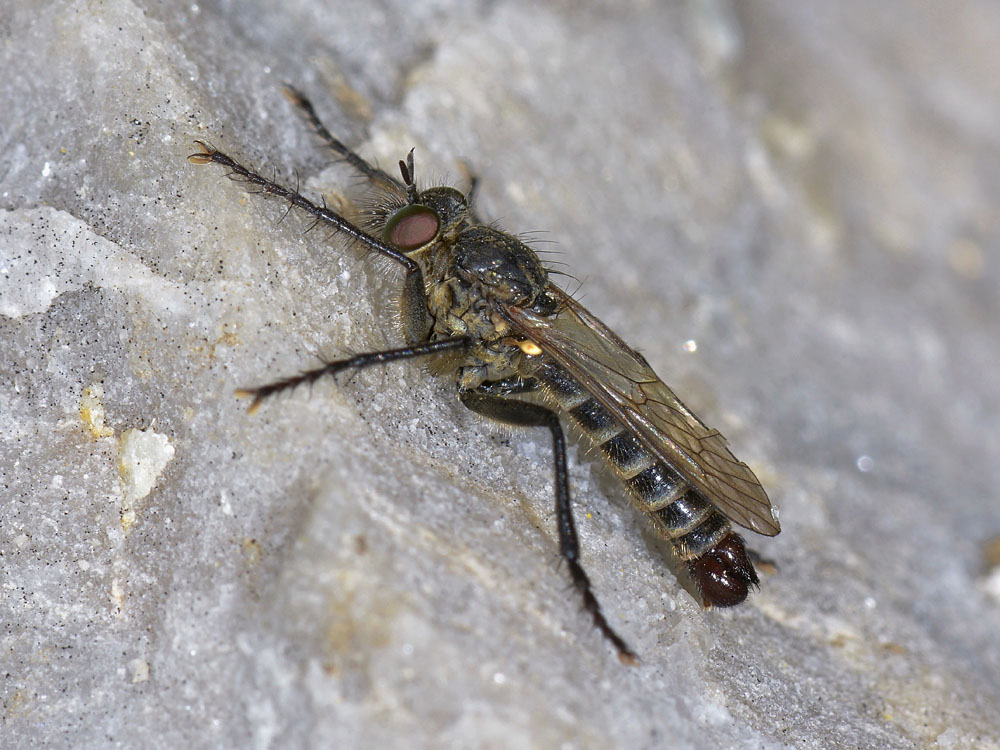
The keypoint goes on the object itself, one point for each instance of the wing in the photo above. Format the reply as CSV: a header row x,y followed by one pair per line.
x,y
624,383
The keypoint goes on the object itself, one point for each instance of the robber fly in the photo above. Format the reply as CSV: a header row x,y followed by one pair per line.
x,y
526,353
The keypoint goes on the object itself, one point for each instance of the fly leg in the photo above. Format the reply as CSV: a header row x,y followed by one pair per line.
x,y
483,400
373,173
352,363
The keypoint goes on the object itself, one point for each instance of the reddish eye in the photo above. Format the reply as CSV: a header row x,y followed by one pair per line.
x,y
411,227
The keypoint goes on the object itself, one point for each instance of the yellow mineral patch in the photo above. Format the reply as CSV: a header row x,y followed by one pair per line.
x,y
991,553
967,259
18,704
117,595
251,550
92,411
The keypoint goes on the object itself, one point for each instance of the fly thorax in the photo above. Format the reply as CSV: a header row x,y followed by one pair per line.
x,y
500,267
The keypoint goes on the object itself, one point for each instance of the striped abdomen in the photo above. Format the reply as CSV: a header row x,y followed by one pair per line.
x,y
702,536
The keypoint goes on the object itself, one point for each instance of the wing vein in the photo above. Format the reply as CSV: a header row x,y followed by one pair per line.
x,y
623,382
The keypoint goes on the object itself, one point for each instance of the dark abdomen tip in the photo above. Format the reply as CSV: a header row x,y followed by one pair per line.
x,y
724,574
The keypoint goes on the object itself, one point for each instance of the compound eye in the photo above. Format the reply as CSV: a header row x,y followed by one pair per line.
x,y
411,227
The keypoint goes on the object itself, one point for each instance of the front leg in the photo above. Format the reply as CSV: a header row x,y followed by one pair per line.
x,y
514,412
356,362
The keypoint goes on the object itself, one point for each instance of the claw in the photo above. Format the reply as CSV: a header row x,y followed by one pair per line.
x,y
207,155
250,393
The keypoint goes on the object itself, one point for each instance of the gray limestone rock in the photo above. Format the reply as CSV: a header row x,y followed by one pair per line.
x,y
790,208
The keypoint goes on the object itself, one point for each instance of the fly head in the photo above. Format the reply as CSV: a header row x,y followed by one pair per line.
x,y
417,218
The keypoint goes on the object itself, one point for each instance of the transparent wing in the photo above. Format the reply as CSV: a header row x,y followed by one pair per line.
x,y
624,383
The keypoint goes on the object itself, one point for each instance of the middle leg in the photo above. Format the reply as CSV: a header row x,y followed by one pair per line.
x,y
514,412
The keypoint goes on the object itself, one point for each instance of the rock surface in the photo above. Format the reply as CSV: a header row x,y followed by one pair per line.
x,y
790,208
